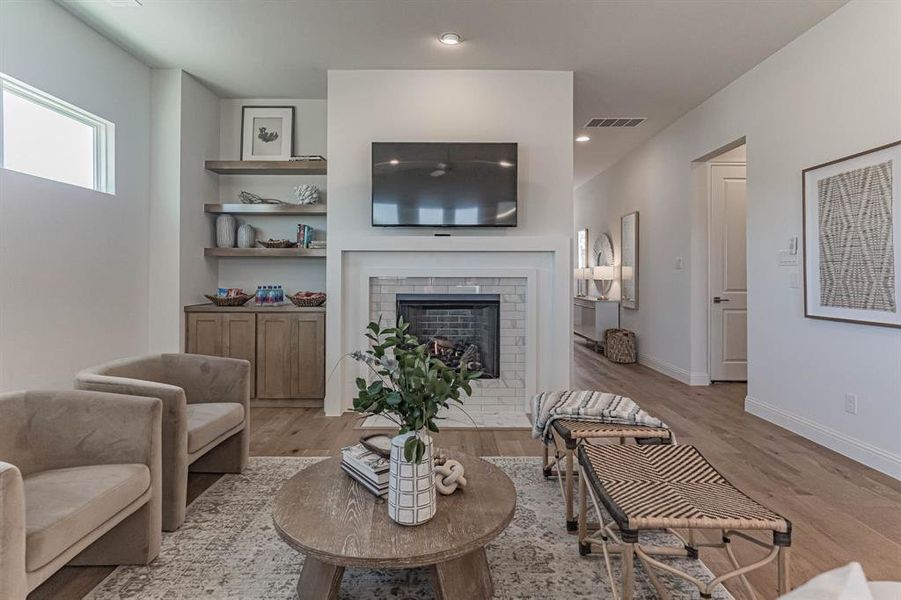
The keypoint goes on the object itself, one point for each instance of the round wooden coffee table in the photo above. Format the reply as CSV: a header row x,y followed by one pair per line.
x,y
336,523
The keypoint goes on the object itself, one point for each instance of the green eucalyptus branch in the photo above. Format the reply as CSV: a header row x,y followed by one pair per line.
x,y
412,386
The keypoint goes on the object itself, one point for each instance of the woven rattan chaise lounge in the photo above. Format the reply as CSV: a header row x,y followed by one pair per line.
x,y
570,433
671,487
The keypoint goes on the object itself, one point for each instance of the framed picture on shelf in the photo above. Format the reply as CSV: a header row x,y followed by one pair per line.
x,y
267,132
852,238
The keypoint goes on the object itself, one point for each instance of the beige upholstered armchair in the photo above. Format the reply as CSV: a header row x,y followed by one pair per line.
x,y
206,414
79,483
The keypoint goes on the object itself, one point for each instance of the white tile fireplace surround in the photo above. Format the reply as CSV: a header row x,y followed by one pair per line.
x,y
500,400
529,276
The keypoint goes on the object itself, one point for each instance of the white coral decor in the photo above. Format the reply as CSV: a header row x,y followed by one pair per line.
x,y
306,194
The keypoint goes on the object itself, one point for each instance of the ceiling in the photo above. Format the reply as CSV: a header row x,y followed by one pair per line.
x,y
632,58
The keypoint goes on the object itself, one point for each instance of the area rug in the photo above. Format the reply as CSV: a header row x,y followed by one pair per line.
x,y
228,549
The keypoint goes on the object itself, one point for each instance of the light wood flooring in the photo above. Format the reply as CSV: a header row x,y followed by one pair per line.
x,y
840,510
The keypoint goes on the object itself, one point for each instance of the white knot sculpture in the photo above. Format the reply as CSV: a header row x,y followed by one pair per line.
x,y
448,477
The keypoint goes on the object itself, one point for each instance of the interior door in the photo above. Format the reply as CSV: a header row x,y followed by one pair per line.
x,y
728,273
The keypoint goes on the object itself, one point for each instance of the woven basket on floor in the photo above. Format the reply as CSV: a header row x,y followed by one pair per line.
x,y
619,346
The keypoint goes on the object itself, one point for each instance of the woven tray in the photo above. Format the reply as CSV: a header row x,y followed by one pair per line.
x,y
276,243
233,301
316,300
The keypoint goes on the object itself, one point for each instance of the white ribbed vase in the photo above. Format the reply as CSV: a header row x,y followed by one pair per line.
x,y
247,236
411,486
225,231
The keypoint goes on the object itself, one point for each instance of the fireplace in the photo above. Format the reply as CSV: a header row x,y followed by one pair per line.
x,y
458,328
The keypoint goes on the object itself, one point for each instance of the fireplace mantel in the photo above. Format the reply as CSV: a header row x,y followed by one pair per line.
x,y
544,261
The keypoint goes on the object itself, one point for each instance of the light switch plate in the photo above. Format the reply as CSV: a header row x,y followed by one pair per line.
x,y
679,263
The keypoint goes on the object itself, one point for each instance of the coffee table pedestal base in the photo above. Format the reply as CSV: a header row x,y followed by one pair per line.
x,y
464,577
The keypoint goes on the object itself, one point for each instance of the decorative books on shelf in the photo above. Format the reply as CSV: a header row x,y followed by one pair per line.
x,y
367,468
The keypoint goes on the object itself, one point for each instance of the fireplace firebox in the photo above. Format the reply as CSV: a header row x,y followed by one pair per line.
x,y
458,328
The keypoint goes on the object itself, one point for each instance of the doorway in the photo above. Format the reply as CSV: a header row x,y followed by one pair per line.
x,y
727,277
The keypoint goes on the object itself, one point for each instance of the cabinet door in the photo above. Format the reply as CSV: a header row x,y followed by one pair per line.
x,y
239,340
276,345
204,334
310,355
232,335
291,355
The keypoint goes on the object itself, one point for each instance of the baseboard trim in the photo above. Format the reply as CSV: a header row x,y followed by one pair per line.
x,y
671,370
872,456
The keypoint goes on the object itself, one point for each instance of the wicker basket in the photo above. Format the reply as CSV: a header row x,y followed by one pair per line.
x,y
316,300
619,346
229,301
276,243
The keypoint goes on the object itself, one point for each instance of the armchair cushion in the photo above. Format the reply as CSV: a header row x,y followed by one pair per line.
x,y
208,421
62,506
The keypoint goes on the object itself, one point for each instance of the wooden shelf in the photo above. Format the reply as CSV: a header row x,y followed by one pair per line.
x,y
265,252
267,167
265,209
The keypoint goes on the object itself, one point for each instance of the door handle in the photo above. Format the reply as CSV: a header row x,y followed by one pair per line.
x,y
717,299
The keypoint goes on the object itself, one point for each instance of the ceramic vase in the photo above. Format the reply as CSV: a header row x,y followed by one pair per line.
x,y
411,486
247,236
225,231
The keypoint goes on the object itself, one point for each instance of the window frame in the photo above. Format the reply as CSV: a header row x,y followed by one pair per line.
x,y
104,132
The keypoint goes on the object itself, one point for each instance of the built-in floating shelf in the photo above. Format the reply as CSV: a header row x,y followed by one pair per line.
x,y
265,252
265,209
267,167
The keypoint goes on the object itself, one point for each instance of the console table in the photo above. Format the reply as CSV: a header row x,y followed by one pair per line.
x,y
591,316
336,523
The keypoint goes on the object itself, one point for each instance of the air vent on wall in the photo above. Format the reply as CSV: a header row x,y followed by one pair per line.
x,y
615,122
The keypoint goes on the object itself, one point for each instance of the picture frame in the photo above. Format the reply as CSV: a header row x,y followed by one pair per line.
x,y
851,216
267,132
629,238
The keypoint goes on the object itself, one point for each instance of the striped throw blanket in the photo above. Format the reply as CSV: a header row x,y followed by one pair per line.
x,y
593,407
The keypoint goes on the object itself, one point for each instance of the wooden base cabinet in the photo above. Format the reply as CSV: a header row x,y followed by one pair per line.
x,y
285,346
290,355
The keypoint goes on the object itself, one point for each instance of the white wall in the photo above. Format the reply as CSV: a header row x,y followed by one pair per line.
x,y
834,91
532,108
528,107
199,142
309,138
185,132
165,209
73,262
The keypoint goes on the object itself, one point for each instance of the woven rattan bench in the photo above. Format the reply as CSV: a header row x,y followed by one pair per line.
x,y
671,487
570,433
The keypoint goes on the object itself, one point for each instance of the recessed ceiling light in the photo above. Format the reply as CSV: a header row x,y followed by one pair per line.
x,y
394,161
583,138
450,38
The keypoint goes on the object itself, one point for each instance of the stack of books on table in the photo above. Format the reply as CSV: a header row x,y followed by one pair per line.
x,y
367,468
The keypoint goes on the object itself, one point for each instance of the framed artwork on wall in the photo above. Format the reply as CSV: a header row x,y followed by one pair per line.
x,y
629,258
852,238
267,132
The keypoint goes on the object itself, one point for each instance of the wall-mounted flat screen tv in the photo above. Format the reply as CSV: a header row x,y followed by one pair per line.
x,y
443,184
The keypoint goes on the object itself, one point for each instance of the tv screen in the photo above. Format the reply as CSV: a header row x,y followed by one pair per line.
x,y
443,184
